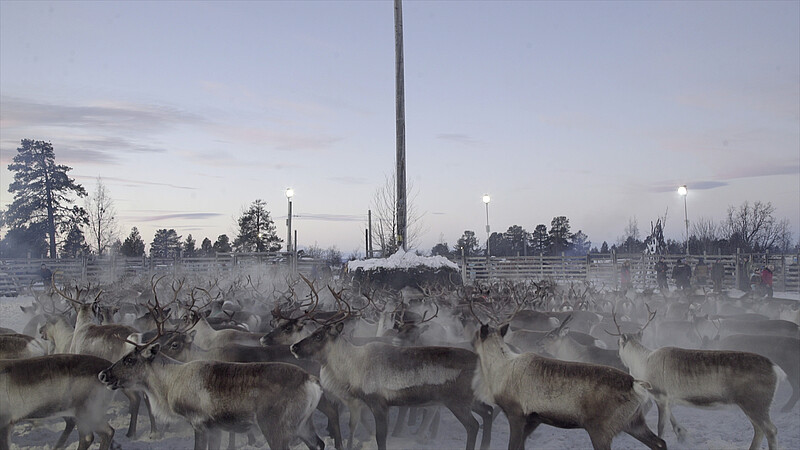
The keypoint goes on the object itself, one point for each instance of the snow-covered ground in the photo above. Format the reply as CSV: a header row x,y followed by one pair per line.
x,y
726,428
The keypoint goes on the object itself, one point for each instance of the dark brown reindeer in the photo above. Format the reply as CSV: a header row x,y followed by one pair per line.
x,y
705,378
107,342
179,346
781,350
382,375
532,390
559,344
56,386
214,396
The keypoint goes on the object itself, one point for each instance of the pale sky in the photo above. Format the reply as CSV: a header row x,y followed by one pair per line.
x,y
189,111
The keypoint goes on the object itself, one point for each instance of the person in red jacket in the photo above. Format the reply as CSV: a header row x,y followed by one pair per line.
x,y
766,279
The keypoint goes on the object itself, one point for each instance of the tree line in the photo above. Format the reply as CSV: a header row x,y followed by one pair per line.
x,y
45,218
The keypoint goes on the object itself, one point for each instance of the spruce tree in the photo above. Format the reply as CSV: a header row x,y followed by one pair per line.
x,y
43,193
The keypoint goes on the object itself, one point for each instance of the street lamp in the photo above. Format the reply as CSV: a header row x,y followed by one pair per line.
x,y
682,191
289,195
486,200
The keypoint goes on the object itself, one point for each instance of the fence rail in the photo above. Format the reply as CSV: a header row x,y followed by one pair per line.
x,y
604,269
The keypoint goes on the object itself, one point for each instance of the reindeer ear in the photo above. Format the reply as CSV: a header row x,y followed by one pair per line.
x,y
503,330
190,336
135,337
339,327
152,351
484,331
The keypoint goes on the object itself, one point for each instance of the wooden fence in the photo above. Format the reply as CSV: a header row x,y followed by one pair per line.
x,y
601,269
605,268
17,275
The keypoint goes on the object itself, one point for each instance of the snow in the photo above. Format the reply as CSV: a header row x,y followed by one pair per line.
x,y
402,260
726,428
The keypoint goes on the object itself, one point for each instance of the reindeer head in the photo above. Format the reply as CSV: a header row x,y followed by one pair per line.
x,y
132,371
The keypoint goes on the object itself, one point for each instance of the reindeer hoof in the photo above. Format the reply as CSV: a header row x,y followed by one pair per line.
x,y
682,435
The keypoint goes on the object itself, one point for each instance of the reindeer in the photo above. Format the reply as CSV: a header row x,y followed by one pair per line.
x,y
107,342
532,390
179,346
705,378
781,350
213,396
18,346
559,344
54,386
382,375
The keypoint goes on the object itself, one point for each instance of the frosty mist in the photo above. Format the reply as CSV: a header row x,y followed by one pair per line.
x,y
250,314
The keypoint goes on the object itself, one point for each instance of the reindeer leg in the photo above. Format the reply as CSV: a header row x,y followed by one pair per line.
x,y
200,438
759,417
355,414
795,395
464,415
516,439
153,427
135,400
487,414
379,410
68,427
214,439
676,427
331,411
231,441
400,423
5,437
106,434
85,439
637,428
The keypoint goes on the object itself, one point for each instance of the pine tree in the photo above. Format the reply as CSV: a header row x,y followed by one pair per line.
x,y
42,193
467,243
256,230
540,241
75,243
133,246
223,244
559,236
189,249
166,244
207,248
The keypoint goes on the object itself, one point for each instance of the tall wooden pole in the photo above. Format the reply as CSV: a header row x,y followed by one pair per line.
x,y
400,124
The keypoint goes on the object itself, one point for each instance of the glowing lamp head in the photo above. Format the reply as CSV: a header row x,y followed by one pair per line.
x,y
486,198
289,193
682,190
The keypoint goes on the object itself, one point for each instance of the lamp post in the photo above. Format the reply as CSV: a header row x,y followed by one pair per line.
x,y
683,191
289,195
486,200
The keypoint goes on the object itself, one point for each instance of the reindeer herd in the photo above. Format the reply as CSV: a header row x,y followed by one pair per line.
x,y
255,356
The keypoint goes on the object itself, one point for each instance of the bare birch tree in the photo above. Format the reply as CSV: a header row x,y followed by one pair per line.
x,y
103,225
384,217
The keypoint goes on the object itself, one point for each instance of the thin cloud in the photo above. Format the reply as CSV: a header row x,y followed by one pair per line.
x,y
116,116
668,186
178,216
763,170
459,138
134,183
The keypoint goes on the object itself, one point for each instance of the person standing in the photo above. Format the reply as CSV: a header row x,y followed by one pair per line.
x,y
701,272
625,275
682,273
718,275
46,274
661,275
766,279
